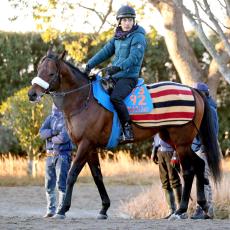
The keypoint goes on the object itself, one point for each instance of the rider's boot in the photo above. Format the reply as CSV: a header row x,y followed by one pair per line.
x,y
127,135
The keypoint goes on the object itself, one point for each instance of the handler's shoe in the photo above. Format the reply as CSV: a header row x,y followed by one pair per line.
x,y
48,215
199,214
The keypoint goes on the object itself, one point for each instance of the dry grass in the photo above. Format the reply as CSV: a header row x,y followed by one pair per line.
x,y
116,168
121,168
151,203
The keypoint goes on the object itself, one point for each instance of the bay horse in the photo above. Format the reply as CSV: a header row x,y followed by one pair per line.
x,y
89,126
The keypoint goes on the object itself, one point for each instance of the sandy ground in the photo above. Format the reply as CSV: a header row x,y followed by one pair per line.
x,y
23,208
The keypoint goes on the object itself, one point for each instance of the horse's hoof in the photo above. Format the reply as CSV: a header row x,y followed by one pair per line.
x,y
178,216
59,217
102,217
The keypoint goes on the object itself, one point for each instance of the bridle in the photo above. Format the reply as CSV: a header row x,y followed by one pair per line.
x,y
56,77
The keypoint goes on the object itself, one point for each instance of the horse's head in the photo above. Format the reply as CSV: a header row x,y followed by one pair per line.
x,y
48,76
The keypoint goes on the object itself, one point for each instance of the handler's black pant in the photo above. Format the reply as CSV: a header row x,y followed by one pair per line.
x,y
122,89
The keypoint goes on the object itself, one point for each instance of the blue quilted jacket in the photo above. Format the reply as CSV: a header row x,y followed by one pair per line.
x,y
128,54
53,130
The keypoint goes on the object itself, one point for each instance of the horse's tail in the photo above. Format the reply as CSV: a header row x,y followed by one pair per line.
x,y
210,142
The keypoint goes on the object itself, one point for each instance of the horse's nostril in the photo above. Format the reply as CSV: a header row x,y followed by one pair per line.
x,y
32,96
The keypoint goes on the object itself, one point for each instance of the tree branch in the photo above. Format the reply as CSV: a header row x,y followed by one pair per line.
x,y
106,15
223,68
218,28
227,2
102,17
209,26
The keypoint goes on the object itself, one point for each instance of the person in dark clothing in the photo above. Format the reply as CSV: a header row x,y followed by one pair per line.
x,y
58,151
127,46
163,155
199,149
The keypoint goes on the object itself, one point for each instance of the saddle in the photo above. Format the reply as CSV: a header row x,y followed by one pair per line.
x,y
108,84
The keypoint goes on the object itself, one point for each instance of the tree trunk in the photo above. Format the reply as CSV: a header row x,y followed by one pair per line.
x,y
214,74
32,169
213,78
177,43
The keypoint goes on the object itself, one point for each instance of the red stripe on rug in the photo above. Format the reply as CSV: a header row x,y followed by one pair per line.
x,y
169,92
156,117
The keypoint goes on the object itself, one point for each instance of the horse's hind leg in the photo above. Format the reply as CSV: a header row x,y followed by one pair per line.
x,y
192,165
188,175
95,168
199,166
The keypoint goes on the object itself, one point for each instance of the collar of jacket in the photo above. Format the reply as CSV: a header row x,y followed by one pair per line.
x,y
120,34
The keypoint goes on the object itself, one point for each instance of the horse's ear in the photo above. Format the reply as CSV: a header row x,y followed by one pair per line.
x,y
62,55
50,50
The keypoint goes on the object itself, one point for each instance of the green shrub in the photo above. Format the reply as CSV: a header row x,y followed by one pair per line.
x,y
25,119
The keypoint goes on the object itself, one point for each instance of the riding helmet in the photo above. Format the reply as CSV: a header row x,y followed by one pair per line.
x,y
126,12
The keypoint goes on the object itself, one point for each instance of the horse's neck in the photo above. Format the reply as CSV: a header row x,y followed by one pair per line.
x,y
72,82
69,80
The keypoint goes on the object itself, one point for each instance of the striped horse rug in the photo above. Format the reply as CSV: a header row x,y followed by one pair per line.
x,y
173,104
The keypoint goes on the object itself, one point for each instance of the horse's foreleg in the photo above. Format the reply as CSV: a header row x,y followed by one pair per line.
x,y
94,165
76,167
71,179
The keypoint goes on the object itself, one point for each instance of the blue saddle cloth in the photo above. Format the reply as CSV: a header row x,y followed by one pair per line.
x,y
139,101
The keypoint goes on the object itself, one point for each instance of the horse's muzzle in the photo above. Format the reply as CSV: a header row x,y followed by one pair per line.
x,y
33,96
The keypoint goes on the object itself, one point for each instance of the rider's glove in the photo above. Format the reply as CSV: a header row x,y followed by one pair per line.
x,y
111,70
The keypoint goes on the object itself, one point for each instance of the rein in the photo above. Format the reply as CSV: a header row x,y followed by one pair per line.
x,y
62,94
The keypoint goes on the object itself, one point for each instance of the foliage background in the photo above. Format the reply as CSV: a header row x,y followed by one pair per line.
x,y
21,52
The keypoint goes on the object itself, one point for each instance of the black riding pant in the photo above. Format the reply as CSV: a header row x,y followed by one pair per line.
x,y
169,175
122,89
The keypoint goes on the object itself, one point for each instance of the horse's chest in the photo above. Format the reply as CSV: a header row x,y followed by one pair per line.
x,y
75,129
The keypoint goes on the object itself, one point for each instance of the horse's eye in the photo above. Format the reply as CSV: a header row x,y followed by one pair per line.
x,y
51,74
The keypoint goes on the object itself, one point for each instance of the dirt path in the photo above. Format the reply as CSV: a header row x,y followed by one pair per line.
x,y
23,208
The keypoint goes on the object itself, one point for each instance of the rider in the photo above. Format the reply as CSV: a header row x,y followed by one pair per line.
x,y
128,45
199,149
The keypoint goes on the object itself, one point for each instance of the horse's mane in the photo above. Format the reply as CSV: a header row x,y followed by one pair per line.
x,y
75,69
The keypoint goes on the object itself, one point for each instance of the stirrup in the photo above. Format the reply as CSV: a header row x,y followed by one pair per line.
x,y
127,135
123,139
